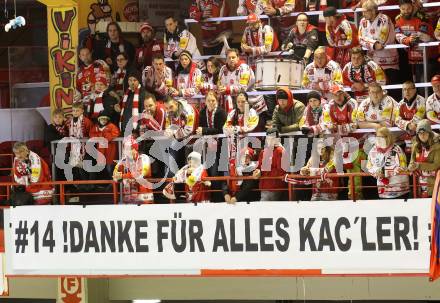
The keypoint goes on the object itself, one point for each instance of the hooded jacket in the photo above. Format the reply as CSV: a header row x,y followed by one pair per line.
x,y
287,119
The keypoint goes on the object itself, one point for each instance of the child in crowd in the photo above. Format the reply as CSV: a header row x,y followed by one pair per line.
x,y
78,128
108,131
101,100
132,170
191,174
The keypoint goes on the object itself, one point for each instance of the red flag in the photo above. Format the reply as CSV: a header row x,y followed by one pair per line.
x,y
434,271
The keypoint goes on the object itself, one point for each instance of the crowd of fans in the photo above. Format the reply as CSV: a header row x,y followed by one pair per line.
x,y
129,91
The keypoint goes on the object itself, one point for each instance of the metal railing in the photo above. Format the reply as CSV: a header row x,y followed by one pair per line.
x,y
117,196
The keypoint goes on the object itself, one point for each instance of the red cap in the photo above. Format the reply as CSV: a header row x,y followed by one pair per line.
x,y
435,79
252,18
146,25
101,78
336,88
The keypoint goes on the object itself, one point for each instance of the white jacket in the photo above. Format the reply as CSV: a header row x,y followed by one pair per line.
x,y
392,185
380,30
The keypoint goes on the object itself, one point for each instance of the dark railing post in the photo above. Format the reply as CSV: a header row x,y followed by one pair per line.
x,y
352,188
414,186
62,196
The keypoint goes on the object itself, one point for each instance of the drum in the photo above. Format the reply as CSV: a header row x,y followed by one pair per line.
x,y
272,73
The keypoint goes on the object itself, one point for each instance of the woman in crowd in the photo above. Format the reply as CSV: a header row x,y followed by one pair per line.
x,y
211,76
188,78
425,157
211,121
325,189
386,161
119,81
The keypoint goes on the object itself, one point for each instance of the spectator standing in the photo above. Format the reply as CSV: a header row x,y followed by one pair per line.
x,y
104,128
322,74
133,170
358,73
411,30
132,102
111,47
279,11
158,78
341,36
386,161
213,33
433,101
270,165
211,121
303,39
257,39
376,31
150,46
425,157
411,110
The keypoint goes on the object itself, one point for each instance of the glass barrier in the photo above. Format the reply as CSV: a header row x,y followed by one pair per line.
x,y
28,77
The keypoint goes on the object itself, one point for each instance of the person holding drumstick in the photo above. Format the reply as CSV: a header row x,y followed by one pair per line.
x,y
303,39
257,39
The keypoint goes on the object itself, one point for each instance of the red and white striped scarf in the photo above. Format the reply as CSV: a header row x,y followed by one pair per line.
x,y
210,117
108,47
96,106
77,153
119,81
135,107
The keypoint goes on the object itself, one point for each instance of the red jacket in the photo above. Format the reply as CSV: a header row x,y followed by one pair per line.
x,y
341,38
145,53
156,122
34,170
404,29
109,132
203,9
275,169
85,78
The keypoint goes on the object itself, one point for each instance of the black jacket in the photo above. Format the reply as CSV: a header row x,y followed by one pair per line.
x,y
109,102
129,106
219,122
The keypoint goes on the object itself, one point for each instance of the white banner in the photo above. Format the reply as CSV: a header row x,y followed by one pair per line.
x,y
336,237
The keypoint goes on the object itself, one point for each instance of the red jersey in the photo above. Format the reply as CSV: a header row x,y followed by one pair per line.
x,y
85,78
154,122
109,132
271,169
34,170
203,9
414,26
145,53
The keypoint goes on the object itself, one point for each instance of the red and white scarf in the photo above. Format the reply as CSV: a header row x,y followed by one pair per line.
x,y
119,81
210,117
255,37
135,107
96,106
77,149
108,48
